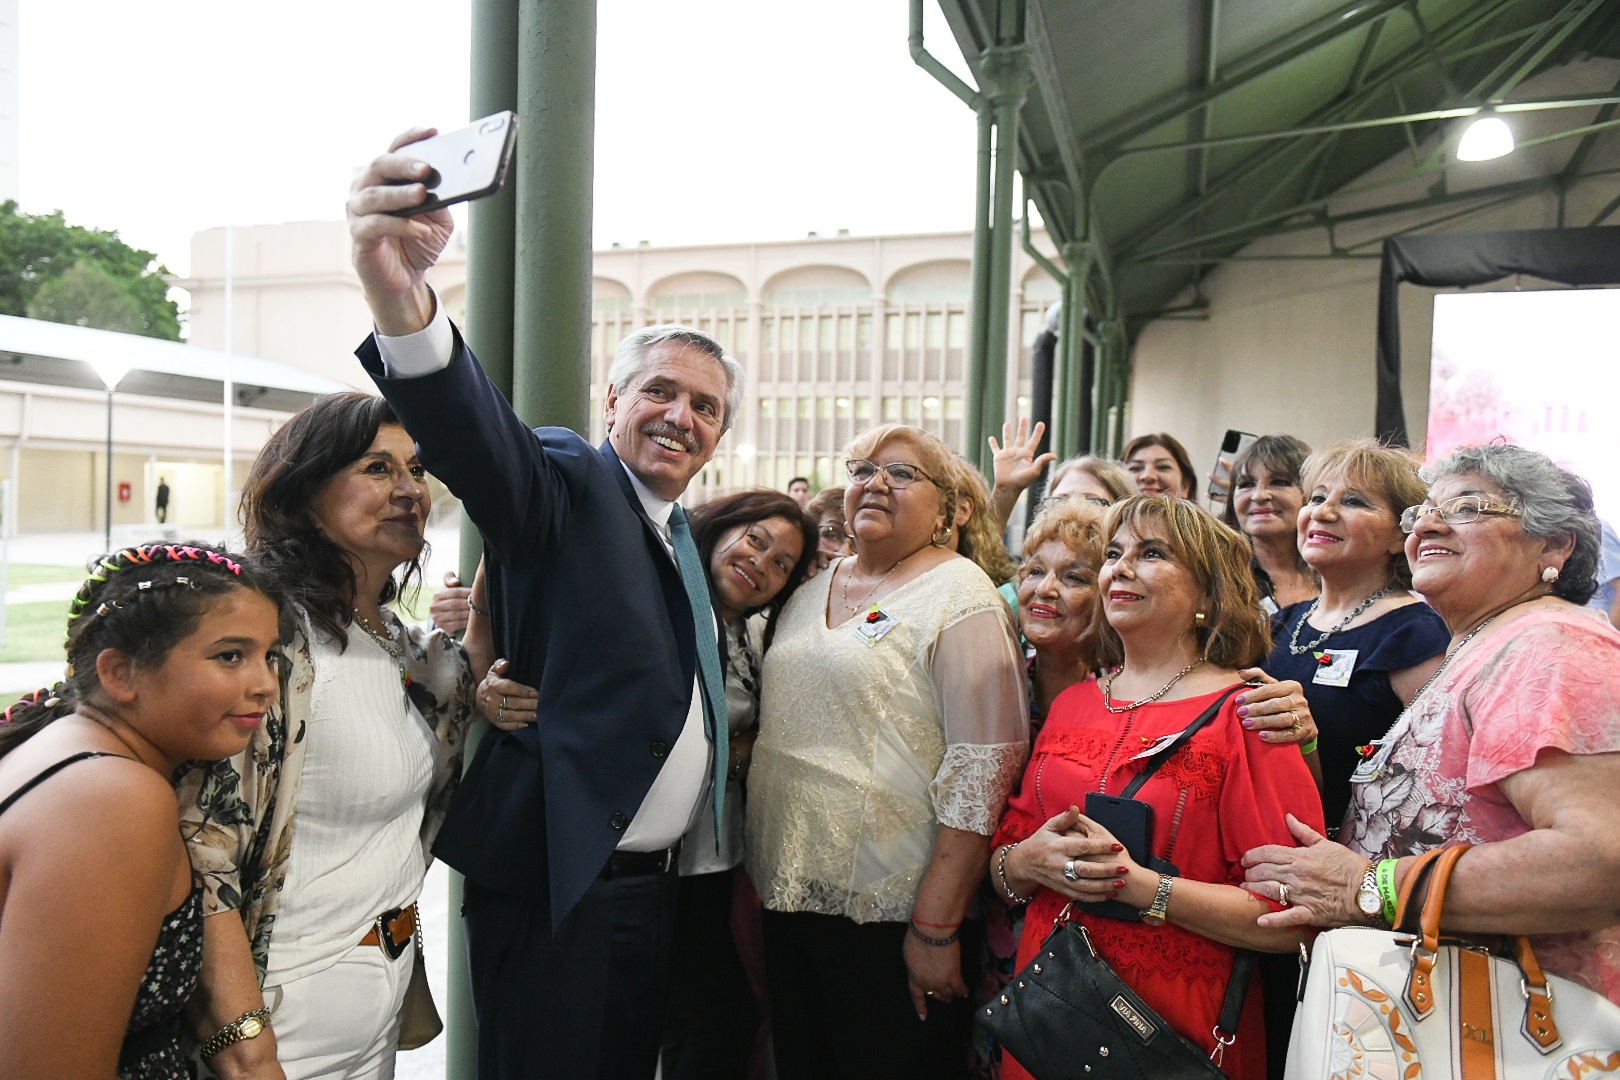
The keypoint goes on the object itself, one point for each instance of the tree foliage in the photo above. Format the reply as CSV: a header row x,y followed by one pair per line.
x,y
68,273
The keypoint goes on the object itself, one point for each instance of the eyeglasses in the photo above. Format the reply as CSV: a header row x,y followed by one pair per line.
x,y
899,474
832,534
1058,500
1459,511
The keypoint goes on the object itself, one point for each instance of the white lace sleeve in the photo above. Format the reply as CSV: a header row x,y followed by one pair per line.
x,y
985,714
973,784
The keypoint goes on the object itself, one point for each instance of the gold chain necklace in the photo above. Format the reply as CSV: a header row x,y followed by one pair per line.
x,y
844,589
1108,682
387,644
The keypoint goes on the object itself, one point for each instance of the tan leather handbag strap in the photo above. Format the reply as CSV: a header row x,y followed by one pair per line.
x,y
1434,867
1539,1025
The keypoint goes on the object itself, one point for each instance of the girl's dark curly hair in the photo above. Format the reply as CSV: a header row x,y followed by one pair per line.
x,y
716,517
318,442
141,601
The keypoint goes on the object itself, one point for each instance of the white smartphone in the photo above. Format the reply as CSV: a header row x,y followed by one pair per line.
x,y
467,164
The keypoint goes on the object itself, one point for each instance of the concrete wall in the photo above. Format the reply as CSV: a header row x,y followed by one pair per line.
x,y
1289,345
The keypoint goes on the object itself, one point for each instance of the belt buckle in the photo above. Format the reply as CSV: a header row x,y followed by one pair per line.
x,y
385,936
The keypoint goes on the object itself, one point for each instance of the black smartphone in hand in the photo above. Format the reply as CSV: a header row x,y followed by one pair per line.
x,y
1131,822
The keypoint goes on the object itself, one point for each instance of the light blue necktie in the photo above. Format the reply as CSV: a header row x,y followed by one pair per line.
x,y
696,580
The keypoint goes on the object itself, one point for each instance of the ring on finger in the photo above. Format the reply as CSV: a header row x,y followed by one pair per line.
x,y
500,713
1282,894
1069,872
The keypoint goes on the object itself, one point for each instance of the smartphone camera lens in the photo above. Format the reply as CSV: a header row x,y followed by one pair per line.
x,y
493,124
468,160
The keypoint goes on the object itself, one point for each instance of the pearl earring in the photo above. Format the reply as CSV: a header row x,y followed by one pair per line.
x,y
1550,574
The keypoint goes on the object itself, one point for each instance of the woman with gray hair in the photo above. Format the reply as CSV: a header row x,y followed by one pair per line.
x,y
1513,745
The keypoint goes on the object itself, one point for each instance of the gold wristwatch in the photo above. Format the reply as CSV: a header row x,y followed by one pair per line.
x,y
1157,912
1367,898
247,1026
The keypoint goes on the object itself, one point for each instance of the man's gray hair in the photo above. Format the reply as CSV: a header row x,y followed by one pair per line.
x,y
631,359
1554,501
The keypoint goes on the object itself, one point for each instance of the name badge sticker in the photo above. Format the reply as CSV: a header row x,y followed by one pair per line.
x,y
1372,767
1334,667
874,624
1156,745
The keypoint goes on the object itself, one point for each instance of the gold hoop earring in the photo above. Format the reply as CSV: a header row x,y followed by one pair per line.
x,y
941,537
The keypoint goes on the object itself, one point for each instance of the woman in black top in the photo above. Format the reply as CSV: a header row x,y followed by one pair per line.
x,y
1365,645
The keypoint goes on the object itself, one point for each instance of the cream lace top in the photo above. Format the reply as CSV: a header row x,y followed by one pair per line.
x,y
866,746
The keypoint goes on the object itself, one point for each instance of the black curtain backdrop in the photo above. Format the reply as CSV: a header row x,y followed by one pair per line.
x,y
1568,256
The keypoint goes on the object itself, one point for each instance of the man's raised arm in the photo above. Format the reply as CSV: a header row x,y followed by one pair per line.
x,y
392,254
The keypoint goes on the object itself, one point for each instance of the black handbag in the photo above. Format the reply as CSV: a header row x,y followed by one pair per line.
x,y
1069,1016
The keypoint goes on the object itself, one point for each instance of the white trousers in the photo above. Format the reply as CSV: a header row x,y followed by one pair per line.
x,y
342,1023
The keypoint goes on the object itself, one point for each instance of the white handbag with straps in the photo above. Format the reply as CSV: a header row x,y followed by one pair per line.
x,y
1405,1004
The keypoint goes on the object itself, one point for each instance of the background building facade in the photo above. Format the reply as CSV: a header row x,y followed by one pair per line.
x,y
836,333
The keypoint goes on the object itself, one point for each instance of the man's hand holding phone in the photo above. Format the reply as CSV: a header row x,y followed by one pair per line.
x,y
392,254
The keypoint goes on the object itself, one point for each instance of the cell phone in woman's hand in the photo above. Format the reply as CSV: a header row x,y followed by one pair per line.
x,y
1131,822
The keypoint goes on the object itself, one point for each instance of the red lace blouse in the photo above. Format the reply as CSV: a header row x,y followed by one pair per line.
x,y
1223,793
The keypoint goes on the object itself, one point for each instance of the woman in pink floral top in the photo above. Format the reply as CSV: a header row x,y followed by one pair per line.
x,y
1513,746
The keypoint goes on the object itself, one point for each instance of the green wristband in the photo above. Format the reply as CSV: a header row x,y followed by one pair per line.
x,y
1386,888
1308,747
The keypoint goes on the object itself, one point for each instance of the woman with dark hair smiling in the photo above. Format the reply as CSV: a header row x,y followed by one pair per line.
x,y
312,845
758,546
1160,465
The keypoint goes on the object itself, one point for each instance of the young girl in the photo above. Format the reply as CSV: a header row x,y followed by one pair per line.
x,y
172,655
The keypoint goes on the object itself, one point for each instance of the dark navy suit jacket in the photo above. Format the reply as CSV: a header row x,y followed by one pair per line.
x,y
589,608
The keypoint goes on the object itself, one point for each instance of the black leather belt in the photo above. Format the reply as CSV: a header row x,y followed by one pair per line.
x,y
640,863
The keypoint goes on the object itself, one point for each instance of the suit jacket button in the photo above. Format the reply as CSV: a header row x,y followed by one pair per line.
x,y
659,749
618,821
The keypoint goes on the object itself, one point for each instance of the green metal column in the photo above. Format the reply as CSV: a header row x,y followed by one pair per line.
x,y
491,227
998,300
973,431
555,159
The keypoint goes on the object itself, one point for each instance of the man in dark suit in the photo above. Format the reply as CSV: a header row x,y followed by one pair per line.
x,y
565,827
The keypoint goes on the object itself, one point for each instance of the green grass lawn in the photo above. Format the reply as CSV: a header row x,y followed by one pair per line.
x,y
34,632
40,573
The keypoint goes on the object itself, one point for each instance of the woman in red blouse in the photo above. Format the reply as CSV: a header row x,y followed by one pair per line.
x,y
1178,615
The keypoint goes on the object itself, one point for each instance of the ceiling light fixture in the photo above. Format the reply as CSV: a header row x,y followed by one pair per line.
x,y
1486,137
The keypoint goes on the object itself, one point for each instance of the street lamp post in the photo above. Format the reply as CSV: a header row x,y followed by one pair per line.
x,y
111,371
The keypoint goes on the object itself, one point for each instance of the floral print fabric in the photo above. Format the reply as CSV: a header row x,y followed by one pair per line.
x,y
1547,680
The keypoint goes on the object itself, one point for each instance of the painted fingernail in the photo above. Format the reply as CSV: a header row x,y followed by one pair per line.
x,y
1242,699
1244,711
1119,884
1116,847
1122,869
1265,736
1248,723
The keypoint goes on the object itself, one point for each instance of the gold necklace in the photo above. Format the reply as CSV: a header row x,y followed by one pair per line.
x,y
1108,682
844,589
387,644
